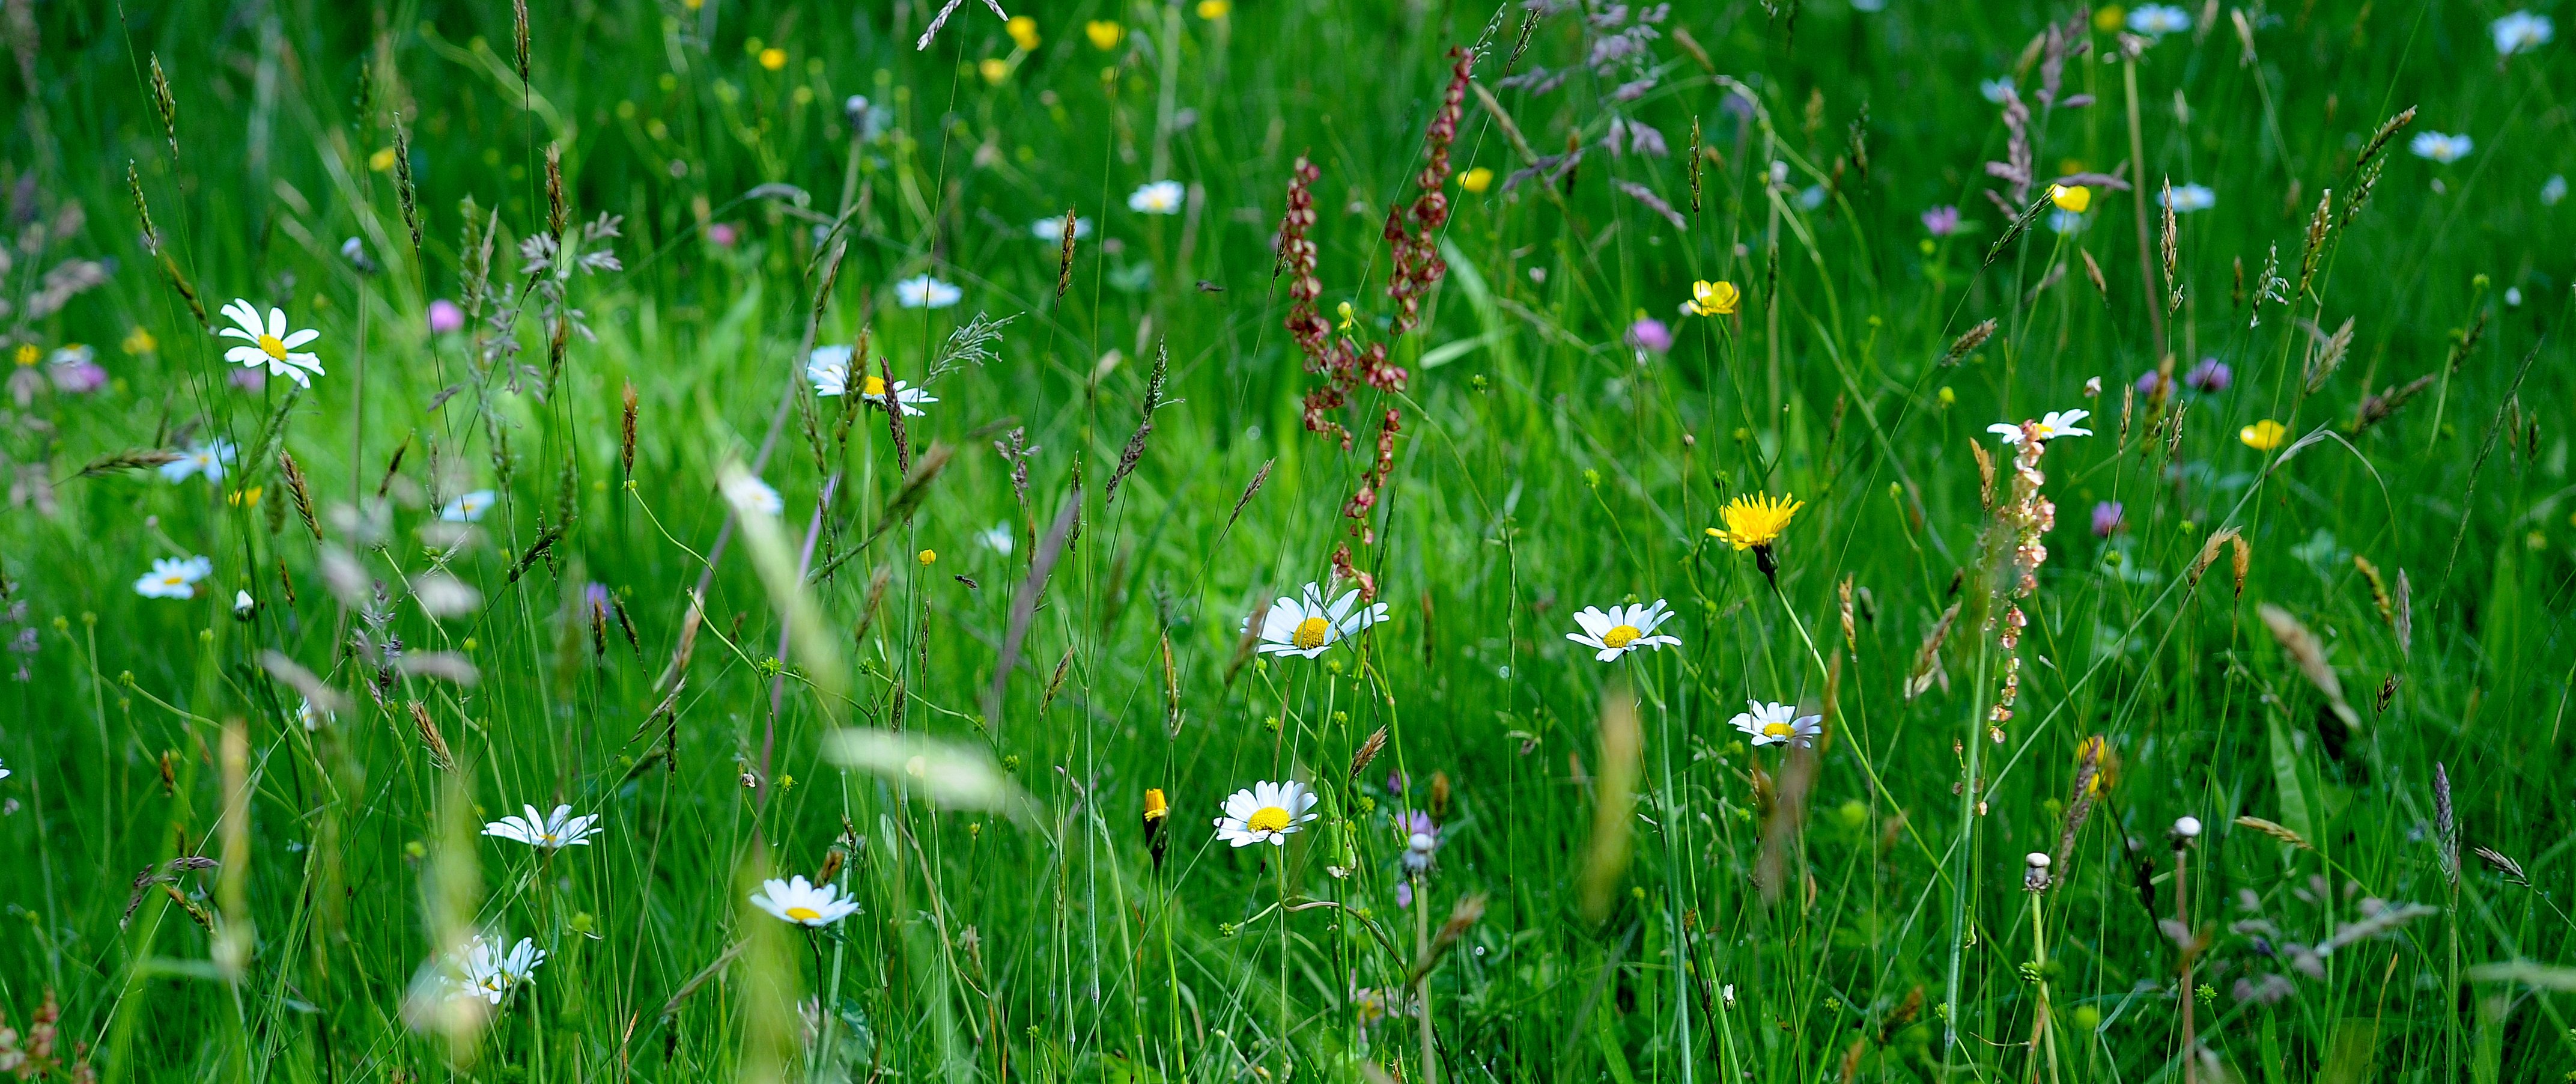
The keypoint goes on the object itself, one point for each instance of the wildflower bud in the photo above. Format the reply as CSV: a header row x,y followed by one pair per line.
x,y
2185,830
1157,815
2035,873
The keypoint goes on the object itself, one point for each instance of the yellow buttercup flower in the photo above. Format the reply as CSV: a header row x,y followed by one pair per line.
x,y
2263,436
244,498
928,556
1156,808
28,354
2109,17
1213,10
1103,33
993,69
1715,298
382,160
2074,197
1023,31
773,58
139,341
2106,764
1755,520
1476,180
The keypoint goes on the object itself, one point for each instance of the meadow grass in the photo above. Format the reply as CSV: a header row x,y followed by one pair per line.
x,y
2269,667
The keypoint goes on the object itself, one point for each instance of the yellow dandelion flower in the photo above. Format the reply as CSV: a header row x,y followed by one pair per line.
x,y
1476,180
993,69
773,58
1756,520
2074,197
1104,34
382,160
1023,31
2263,436
1714,298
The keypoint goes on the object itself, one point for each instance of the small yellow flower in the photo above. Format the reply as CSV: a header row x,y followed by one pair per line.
x,y
993,69
1213,10
693,5
1156,808
2263,436
1948,397
27,354
1476,180
382,160
1714,298
773,58
928,556
244,498
2106,765
1756,520
2108,18
2070,197
1103,33
1350,319
1023,31
139,341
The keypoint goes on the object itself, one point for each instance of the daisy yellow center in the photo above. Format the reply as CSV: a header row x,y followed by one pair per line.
x,y
174,579
273,346
1620,637
1778,730
1269,818
803,914
1310,635
875,386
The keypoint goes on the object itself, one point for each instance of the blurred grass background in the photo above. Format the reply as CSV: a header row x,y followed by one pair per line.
x,y
1545,463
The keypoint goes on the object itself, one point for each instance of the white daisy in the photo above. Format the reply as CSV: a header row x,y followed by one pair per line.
x,y
925,292
2553,189
2442,148
2520,32
803,903
1303,626
1771,724
491,973
1052,229
2063,221
207,459
552,831
1266,813
1000,537
271,345
749,494
2158,20
2191,197
1995,90
1156,198
2054,424
4,771
1622,629
174,577
468,508
313,716
829,368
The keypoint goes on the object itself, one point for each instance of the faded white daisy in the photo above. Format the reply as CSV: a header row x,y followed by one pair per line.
x,y
2521,32
2190,197
272,346
1772,724
803,903
208,459
829,368
925,292
1266,812
174,577
469,507
2441,147
1052,229
749,494
553,831
2158,20
1621,629
491,972
2054,424
1157,198
1305,626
